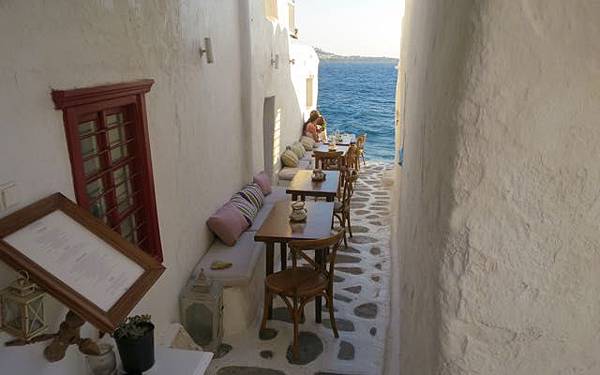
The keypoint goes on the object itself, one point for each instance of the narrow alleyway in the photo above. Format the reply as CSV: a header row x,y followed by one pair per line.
x,y
361,300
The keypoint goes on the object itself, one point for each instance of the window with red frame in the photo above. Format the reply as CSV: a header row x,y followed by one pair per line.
x,y
107,136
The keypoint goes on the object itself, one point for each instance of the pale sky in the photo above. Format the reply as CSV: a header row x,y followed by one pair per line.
x,y
351,27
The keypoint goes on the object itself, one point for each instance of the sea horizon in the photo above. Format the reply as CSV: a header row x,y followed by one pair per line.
x,y
360,97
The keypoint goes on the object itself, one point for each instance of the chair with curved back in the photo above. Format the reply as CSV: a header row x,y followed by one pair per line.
x,y
341,209
360,143
299,284
351,159
328,160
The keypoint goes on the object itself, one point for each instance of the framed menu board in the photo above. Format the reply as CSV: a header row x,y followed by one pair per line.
x,y
78,260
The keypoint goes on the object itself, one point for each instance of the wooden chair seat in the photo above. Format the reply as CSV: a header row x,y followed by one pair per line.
x,y
301,284
301,281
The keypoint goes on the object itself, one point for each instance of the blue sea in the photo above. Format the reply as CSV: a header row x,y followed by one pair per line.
x,y
360,98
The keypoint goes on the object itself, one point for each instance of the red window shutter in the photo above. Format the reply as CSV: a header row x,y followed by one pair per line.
x,y
109,148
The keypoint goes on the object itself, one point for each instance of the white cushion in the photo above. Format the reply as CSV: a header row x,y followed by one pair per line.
x,y
243,256
289,158
278,194
308,156
305,164
261,217
287,173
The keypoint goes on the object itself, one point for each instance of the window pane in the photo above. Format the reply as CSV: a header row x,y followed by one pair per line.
x,y
124,198
121,174
116,135
87,127
12,315
98,209
91,166
89,146
113,119
35,310
118,153
128,228
94,188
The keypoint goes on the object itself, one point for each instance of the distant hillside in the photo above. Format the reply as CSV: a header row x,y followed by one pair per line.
x,y
328,56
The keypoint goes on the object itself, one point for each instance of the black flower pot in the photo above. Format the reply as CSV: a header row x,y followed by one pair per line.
x,y
137,355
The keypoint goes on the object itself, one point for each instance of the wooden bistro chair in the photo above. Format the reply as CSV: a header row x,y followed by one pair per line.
x,y
328,160
341,209
299,285
360,143
351,159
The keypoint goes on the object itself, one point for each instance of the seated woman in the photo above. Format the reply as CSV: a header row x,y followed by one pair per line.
x,y
320,124
310,126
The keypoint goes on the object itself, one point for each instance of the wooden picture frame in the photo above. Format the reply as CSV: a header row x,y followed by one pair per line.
x,y
55,216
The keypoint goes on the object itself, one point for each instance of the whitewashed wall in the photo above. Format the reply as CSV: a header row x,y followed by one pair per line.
x,y
205,121
287,82
498,225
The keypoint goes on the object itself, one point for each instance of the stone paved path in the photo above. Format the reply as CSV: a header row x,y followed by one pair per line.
x,y
361,302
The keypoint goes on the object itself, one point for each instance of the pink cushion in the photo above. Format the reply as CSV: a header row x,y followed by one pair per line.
x,y
228,224
262,180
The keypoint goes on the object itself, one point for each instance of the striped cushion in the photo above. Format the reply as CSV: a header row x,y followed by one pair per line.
x,y
298,149
253,194
308,143
246,208
289,159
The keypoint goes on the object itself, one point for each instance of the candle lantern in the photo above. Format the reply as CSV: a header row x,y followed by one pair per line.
x,y
201,308
23,314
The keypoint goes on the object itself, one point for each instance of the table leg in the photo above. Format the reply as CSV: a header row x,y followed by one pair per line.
x,y
318,300
283,255
329,198
303,197
269,270
294,197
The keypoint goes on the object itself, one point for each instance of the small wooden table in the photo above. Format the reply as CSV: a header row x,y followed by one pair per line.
x,y
277,228
302,185
339,148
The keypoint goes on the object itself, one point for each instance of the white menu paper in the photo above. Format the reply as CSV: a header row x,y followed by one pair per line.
x,y
77,257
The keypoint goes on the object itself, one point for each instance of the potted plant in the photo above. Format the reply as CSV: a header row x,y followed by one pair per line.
x,y
135,341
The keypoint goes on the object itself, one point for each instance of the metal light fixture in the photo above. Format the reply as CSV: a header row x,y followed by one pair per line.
x,y
208,51
23,314
275,61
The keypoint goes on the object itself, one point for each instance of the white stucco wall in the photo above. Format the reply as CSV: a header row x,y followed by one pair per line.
x,y
434,45
203,120
287,83
498,233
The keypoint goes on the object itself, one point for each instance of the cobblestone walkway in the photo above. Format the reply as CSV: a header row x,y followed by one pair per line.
x,y
361,300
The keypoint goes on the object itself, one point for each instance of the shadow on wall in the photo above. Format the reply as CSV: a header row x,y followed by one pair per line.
x,y
432,95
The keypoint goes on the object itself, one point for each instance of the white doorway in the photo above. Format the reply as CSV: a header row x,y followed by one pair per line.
x,y
269,134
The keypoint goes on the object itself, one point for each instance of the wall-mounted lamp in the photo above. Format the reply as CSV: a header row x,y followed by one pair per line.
x,y
275,61
208,51
292,61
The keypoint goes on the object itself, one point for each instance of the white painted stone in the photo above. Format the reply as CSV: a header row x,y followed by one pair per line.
x,y
497,225
205,120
